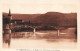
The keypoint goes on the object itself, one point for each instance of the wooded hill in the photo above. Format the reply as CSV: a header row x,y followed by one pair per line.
x,y
49,18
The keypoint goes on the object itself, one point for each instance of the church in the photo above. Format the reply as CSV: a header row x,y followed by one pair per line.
x,y
9,22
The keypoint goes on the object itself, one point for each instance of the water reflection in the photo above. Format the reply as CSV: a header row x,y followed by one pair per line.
x,y
7,39
42,39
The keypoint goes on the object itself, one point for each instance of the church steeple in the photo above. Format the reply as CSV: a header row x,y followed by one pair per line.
x,y
9,13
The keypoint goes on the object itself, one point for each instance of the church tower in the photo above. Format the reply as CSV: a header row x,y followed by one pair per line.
x,y
9,15
7,27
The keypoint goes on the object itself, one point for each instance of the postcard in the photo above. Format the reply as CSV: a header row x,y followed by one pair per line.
x,y
39,25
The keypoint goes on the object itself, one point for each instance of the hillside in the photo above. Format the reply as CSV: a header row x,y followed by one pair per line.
x,y
49,18
25,17
58,19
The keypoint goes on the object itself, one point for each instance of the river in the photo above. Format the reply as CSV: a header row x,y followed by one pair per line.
x,y
41,39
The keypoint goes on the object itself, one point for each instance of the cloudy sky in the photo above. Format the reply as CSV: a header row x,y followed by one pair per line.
x,y
39,6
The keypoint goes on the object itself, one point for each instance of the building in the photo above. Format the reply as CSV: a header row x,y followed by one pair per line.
x,y
8,23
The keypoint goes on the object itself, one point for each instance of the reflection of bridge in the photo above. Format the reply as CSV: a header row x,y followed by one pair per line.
x,y
10,26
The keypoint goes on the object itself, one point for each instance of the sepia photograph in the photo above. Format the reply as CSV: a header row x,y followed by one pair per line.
x,y
39,24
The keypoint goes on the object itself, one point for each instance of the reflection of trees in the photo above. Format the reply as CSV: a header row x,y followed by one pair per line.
x,y
6,39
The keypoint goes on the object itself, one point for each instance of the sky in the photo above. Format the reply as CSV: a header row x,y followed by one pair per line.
x,y
39,6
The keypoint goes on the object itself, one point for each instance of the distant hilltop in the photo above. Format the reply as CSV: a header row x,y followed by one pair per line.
x,y
57,18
